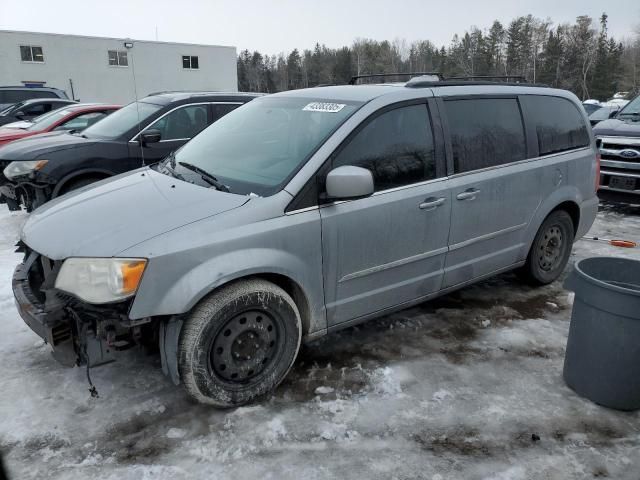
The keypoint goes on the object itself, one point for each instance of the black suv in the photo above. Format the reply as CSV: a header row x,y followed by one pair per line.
x,y
43,167
15,94
30,109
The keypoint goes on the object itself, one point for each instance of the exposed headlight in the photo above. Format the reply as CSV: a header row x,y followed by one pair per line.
x,y
101,280
17,169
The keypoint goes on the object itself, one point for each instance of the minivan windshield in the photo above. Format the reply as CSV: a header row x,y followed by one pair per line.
x,y
121,121
256,148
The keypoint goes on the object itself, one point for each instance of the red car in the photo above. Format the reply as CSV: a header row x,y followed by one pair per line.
x,y
73,117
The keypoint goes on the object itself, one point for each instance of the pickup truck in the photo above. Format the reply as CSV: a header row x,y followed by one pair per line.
x,y
619,140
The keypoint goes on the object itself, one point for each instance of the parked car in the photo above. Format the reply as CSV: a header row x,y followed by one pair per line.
x,y
305,212
30,109
619,139
75,117
603,113
590,106
14,94
41,168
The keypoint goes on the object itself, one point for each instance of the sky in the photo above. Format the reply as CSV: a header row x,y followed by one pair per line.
x,y
280,26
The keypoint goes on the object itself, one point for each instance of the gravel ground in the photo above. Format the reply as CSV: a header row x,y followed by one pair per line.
x,y
465,387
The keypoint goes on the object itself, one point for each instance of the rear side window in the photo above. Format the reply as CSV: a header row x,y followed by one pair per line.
x,y
39,94
558,123
485,132
15,96
396,146
221,109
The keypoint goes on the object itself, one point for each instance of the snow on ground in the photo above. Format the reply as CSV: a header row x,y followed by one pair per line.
x,y
468,386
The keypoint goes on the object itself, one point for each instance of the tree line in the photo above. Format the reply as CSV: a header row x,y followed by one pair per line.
x,y
582,57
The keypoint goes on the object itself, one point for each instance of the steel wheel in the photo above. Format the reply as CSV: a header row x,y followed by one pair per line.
x,y
238,343
551,248
244,346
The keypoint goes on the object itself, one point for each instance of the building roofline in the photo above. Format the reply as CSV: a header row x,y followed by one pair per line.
x,y
121,39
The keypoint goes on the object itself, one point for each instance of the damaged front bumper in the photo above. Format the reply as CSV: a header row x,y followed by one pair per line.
x,y
25,193
78,333
50,322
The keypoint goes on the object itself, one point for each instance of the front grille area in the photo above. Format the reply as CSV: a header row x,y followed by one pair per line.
x,y
621,149
41,274
620,164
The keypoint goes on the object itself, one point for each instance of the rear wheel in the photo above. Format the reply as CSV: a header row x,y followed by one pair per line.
x,y
239,343
550,251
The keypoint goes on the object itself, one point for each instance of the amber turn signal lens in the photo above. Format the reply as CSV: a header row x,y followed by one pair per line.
x,y
131,275
40,164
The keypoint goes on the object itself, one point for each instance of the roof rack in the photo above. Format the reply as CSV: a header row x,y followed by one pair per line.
x,y
506,78
355,78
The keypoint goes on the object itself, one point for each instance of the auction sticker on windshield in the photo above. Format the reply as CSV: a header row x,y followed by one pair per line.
x,y
324,107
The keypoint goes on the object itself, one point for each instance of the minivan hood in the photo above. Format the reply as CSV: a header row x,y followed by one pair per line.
x,y
615,127
110,216
33,148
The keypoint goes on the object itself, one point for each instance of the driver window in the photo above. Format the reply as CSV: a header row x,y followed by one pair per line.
x,y
183,123
396,146
36,110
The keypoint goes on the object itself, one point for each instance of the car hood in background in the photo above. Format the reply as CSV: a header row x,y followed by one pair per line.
x,y
10,134
615,127
18,124
33,148
110,216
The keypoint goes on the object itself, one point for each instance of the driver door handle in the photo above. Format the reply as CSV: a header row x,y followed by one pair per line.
x,y
469,194
431,203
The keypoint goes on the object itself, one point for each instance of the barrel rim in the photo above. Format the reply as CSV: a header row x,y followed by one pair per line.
x,y
603,284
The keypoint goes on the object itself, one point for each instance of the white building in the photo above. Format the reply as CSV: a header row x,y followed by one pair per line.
x,y
97,69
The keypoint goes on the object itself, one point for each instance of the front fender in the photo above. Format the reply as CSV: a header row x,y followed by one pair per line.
x,y
77,174
185,291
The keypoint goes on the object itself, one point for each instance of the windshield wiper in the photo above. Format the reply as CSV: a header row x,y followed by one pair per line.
x,y
168,167
206,176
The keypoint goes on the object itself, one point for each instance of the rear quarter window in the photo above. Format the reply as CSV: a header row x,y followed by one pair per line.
x,y
558,123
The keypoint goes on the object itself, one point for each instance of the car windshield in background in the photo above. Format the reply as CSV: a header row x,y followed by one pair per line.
x,y
12,108
121,121
257,147
631,108
602,113
45,121
591,107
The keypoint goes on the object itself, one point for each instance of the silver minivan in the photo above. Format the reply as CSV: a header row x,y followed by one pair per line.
x,y
305,212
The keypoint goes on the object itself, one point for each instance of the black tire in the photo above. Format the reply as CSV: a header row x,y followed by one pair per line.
x,y
550,250
79,183
239,343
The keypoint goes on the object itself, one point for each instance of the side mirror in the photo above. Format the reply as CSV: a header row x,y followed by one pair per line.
x,y
19,114
150,136
349,182
613,113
